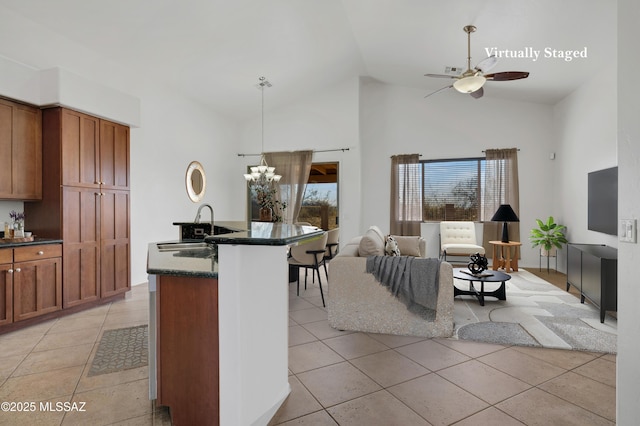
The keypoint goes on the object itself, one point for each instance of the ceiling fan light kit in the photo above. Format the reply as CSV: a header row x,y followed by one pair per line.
x,y
469,84
472,80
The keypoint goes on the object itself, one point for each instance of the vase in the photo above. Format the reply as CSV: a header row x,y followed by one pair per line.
x,y
266,214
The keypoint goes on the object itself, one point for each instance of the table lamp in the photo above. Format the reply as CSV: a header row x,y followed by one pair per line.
x,y
505,214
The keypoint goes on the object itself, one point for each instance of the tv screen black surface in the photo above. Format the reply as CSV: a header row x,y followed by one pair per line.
x,y
603,201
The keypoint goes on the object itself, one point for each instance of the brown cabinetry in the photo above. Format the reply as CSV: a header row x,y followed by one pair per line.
x,y
37,281
86,202
20,151
6,286
31,283
188,377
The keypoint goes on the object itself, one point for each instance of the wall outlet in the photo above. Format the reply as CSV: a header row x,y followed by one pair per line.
x,y
628,230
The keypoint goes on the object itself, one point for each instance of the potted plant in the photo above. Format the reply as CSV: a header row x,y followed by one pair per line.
x,y
548,236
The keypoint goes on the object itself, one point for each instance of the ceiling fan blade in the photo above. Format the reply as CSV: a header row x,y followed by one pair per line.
x,y
439,90
440,76
487,63
478,93
507,75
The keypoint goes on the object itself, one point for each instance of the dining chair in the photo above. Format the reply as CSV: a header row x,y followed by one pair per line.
x,y
309,255
333,237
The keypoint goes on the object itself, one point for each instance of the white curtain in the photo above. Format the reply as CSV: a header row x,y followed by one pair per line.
x,y
406,195
294,167
501,186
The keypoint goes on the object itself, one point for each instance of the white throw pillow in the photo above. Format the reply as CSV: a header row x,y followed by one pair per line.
x,y
408,245
371,244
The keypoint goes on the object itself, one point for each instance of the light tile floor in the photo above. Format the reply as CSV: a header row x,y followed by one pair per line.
x,y
336,377
350,378
48,363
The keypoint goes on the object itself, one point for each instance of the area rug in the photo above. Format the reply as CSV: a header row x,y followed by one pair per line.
x,y
536,313
121,349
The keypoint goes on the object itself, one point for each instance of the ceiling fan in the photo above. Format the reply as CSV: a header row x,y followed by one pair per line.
x,y
472,80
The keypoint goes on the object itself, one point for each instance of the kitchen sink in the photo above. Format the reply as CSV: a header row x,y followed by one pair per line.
x,y
196,245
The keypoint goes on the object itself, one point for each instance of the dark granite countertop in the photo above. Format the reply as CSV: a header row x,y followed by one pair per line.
x,y
199,262
37,241
202,260
267,234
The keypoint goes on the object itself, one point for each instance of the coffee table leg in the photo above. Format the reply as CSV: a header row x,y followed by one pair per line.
x,y
501,292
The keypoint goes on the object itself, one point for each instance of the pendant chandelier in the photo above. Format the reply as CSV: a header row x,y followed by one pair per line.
x,y
262,175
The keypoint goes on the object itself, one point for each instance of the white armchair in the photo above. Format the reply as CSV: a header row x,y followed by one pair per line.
x,y
458,239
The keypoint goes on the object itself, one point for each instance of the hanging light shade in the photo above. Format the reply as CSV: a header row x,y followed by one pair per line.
x,y
469,84
263,174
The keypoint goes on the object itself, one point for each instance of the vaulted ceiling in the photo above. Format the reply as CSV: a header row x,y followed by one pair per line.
x,y
215,50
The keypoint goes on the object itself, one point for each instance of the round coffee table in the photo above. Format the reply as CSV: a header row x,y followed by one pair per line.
x,y
485,277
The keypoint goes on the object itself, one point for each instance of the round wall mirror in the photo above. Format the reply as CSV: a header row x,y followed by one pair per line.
x,y
196,181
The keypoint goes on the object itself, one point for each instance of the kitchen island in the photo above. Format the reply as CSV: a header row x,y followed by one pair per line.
x,y
219,324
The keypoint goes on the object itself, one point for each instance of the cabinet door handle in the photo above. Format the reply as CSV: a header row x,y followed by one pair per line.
x,y
10,271
40,253
18,269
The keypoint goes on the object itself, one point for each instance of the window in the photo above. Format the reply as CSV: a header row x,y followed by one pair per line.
x,y
320,201
452,189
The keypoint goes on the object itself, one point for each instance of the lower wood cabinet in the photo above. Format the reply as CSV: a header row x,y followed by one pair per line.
x,y
31,285
6,286
188,377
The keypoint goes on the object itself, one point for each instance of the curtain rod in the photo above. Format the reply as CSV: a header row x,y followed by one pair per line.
x,y
517,149
315,150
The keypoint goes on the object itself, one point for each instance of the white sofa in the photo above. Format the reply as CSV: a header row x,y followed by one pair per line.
x,y
358,302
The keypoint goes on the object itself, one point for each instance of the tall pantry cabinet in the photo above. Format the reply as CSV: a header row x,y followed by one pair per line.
x,y
85,202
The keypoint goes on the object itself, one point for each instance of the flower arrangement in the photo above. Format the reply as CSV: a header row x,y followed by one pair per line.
x,y
266,197
17,218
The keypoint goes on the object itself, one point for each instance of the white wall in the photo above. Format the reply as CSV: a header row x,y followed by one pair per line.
x,y
399,120
628,375
173,131
586,134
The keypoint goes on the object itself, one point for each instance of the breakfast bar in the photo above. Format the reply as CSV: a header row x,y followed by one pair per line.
x,y
218,333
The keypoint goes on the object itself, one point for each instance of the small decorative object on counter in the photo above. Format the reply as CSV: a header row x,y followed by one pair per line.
x,y
17,227
478,263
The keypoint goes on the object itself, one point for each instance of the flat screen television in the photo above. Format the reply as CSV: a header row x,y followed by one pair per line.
x,y
603,201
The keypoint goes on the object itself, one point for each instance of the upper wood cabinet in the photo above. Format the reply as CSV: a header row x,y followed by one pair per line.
x,y
80,138
95,152
20,151
114,155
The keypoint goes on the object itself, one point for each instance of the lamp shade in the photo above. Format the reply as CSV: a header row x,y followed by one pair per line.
x,y
469,84
505,214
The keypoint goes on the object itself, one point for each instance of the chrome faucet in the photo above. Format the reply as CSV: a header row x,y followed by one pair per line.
x,y
197,219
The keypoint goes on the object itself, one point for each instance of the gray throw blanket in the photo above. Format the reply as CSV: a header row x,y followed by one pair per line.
x,y
412,280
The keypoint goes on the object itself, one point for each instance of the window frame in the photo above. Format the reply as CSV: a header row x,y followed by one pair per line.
x,y
480,161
